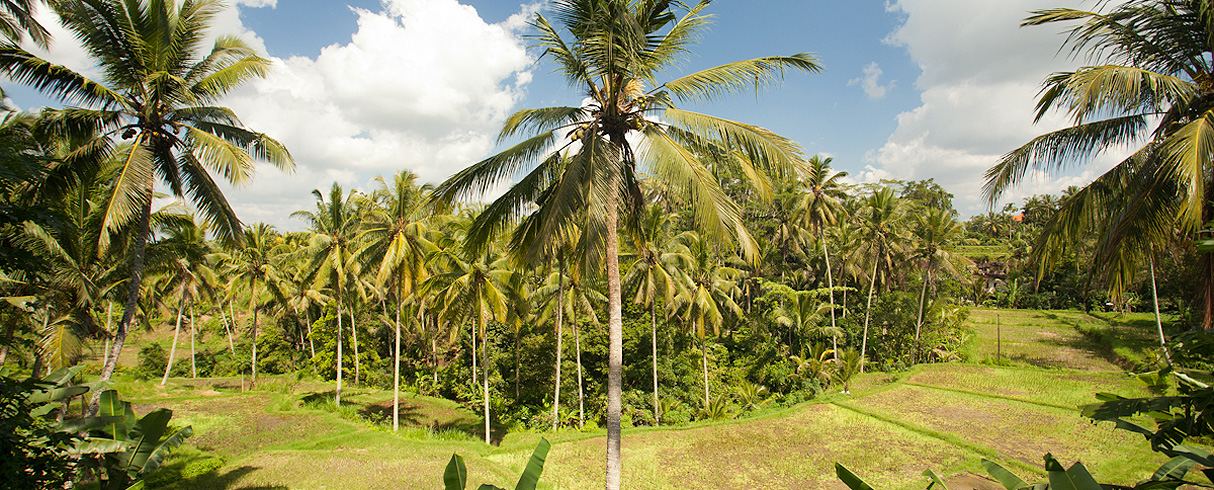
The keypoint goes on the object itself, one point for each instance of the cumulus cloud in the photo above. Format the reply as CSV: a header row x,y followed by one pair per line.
x,y
871,82
421,85
981,74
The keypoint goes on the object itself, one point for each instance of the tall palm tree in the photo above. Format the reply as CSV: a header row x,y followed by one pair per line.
x,y
331,255
1149,85
396,246
819,208
157,90
178,262
653,276
934,230
881,226
706,300
478,290
615,49
256,261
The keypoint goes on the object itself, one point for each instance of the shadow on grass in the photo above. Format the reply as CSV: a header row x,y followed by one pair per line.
x,y
184,473
412,415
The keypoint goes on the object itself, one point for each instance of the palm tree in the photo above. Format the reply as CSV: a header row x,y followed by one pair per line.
x,y
934,230
881,226
178,262
1149,85
255,261
653,276
156,90
478,289
615,49
819,207
395,239
707,295
330,254
17,20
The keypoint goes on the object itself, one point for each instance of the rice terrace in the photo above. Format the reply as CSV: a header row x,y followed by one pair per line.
x,y
747,252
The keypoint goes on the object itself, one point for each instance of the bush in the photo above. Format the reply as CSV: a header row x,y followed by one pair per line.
x,y
152,361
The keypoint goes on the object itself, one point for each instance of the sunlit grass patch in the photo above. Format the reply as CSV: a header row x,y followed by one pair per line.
x,y
1067,390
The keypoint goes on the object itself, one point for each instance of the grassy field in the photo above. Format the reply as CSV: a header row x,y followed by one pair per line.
x,y
1011,409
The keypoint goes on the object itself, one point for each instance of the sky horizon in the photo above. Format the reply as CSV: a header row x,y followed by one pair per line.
x,y
912,89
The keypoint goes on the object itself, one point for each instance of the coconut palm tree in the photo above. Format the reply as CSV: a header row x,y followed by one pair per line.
x,y
653,276
881,225
819,207
706,298
934,230
477,289
156,91
615,49
395,245
1149,84
17,21
331,255
256,261
178,264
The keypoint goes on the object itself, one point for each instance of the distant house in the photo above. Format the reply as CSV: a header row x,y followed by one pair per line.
x,y
994,273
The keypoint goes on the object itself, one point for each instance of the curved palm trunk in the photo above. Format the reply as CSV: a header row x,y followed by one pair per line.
x,y
615,350
830,291
311,343
337,398
173,350
1163,342
227,330
560,313
927,279
132,298
653,342
868,310
485,372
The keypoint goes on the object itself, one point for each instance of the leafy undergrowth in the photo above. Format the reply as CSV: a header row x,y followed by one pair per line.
x,y
289,434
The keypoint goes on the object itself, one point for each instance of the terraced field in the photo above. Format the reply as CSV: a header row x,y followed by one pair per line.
x,y
1012,409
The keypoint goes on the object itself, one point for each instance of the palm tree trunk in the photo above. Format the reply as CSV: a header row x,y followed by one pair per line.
x,y
193,363
577,346
704,364
560,313
354,338
485,372
253,306
653,342
231,345
868,310
830,291
475,379
1163,342
339,335
927,279
396,375
311,343
132,298
172,350
615,349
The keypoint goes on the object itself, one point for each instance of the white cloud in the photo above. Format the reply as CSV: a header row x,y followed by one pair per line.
x,y
421,85
871,82
981,74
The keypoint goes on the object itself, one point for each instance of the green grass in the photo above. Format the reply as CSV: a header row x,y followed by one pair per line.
x,y
288,434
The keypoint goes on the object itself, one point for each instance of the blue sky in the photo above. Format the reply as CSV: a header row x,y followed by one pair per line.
x,y
912,89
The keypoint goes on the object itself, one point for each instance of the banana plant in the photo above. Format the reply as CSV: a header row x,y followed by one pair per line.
x,y
455,477
120,448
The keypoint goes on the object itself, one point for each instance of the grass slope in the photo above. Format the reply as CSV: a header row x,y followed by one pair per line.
x,y
942,416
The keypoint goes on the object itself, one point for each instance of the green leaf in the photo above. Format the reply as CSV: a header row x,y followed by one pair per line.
x,y
850,479
87,423
136,486
162,451
1001,474
486,486
1076,477
146,434
935,480
535,466
455,477
1174,469
57,394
